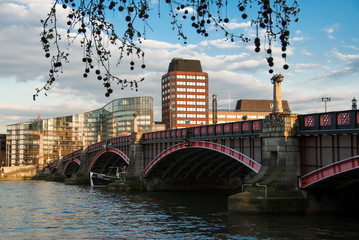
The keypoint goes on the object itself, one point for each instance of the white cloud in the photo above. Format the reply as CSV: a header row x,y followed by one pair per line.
x,y
232,67
330,30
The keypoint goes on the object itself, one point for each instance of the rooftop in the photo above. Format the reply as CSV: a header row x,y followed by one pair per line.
x,y
184,65
249,105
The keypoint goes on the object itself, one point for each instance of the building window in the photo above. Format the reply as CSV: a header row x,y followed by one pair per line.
x,y
181,83
191,115
201,97
181,102
201,103
181,76
191,90
202,84
191,103
191,84
201,77
191,109
191,96
181,96
181,89
181,109
201,90
201,116
181,115
201,109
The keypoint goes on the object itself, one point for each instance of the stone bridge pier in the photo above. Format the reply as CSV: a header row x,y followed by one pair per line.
x,y
275,187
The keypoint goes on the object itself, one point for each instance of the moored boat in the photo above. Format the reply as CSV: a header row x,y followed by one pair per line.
x,y
98,179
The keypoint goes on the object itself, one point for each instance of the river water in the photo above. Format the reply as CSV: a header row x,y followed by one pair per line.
x,y
51,210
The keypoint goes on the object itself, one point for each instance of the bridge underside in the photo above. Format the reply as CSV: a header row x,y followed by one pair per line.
x,y
197,163
342,174
71,168
197,168
108,163
348,179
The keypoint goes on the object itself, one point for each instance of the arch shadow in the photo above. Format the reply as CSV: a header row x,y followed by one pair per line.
x,y
108,158
200,160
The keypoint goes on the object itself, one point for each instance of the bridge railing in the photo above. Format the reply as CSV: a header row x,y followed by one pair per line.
x,y
245,128
124,140
329,121
72,155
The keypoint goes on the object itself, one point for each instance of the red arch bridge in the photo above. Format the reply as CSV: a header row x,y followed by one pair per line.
x,y
313,151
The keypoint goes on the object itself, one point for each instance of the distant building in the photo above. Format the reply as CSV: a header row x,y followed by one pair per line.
x,y
247,109
45,140
185,100
3,151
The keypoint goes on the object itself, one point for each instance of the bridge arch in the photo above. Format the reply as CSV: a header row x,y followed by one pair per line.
x,y
53,170
339,174
107,160
200,160
71,167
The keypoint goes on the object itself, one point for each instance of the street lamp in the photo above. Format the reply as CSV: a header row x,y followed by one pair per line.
x,y
276,80
354,104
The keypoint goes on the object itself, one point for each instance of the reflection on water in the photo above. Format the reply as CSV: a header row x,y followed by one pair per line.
x,y
49,210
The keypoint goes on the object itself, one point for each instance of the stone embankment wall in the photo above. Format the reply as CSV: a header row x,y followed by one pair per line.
x,y
18,172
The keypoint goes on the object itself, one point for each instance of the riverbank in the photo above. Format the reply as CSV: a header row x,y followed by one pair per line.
x,y
19,173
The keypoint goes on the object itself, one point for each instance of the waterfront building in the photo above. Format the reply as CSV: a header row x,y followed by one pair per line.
x,y
3,151
43,140
184,94
247,109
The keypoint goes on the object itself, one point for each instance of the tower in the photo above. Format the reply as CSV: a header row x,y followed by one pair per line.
x,y
277,93
184,94
214,108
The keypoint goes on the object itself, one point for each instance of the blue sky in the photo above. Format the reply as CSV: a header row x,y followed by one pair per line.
x,y
323,59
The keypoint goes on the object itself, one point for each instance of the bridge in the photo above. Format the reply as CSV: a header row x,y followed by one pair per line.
x,y
312,154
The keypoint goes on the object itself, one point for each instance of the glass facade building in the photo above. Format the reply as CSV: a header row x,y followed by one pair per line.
x,y
44,140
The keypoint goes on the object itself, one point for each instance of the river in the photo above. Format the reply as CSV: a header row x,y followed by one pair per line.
x,y
51,210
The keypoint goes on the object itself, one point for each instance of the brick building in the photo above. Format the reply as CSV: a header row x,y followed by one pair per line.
x,y
185,100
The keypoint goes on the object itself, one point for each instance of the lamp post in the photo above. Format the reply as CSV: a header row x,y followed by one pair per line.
x,y
325,100
354,104
276,80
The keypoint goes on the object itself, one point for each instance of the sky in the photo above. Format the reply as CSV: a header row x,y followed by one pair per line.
x,y
323,59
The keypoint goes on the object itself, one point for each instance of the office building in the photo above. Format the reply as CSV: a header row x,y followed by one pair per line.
x,y
185,94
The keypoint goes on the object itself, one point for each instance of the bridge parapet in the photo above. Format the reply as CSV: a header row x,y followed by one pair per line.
x,y
119,141
75,154
245,129
329,122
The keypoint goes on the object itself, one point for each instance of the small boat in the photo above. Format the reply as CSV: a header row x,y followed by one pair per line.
x,y
97,179
100,179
